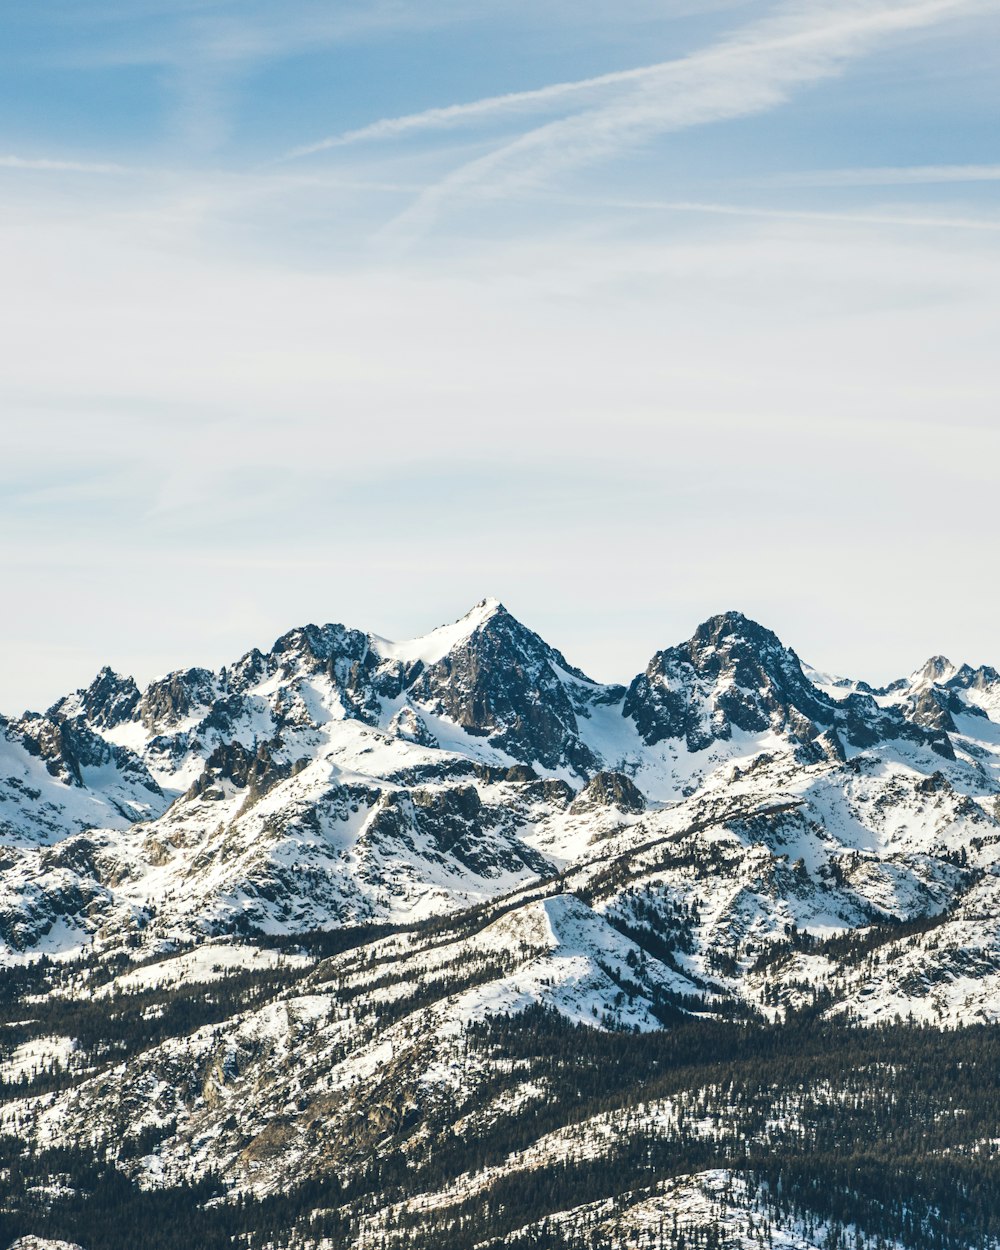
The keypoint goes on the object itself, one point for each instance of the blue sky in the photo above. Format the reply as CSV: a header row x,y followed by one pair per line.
x,y
626,314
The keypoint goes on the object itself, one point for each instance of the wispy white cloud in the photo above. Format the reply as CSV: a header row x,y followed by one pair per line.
x,y
890,176
756,69
454,115
46,165
917,220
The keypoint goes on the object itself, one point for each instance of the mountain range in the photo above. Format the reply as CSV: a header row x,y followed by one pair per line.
x,y
263,926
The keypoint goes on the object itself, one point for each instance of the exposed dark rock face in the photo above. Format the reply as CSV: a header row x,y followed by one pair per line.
x,y
410,725
505,683
109,700
451,817
258,770
936,783
984,678
734,674
830,746
610,789
520,773
941,690
865,724
450,825
176,696
69,746
62,888
501,682
344,656
926,708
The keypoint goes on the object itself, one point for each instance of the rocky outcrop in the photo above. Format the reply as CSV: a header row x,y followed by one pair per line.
x,y
609,789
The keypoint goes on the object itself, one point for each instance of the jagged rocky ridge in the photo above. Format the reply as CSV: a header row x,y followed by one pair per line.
x,y
343,779
477,828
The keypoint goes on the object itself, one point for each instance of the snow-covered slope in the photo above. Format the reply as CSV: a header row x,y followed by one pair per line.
x,y
58,776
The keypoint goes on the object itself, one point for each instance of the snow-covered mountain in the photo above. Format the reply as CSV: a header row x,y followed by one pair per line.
x,y
340,778
353,854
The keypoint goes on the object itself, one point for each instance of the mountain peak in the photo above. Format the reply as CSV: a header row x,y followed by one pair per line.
x,y
497,678
731,673
432,647
485,608
110,699
485,612
937,669
731,625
